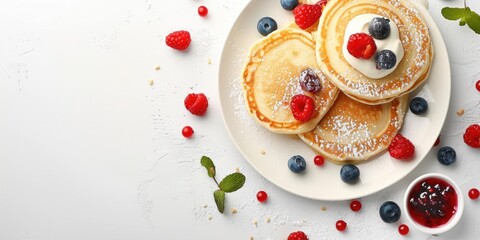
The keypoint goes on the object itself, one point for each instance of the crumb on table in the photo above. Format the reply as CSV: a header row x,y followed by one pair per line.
x,y
234,210
151,82
237,170
267,220
262,152
157,67
460,112
324,209
209,61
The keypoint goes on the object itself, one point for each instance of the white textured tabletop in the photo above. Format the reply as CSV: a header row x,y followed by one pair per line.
x,y
91,112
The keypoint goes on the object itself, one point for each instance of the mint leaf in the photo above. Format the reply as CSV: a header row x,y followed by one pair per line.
x,y
208,164
453,13
232,182
219,197
473,21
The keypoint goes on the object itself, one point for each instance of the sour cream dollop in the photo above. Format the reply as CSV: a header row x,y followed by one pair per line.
x,y
367,67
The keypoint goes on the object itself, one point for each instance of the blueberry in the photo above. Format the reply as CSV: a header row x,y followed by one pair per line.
x,y
385,59
390,212
266,25
418,105
309,81
289,5
297,164
379,28
350,173
446,155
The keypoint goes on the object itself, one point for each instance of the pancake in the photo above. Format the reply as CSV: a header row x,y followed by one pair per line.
x,y
271,78
353,132
411,71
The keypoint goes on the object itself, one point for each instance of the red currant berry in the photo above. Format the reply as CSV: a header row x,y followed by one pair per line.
x,y
319,160
477,85
262,196
341,225
473,193
403,229
355,205
187,131
202,11
437,141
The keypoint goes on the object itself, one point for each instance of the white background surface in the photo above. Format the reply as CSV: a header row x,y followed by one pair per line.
x,y
89,150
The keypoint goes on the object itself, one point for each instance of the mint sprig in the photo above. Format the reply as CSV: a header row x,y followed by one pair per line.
x,y
465,15
230,183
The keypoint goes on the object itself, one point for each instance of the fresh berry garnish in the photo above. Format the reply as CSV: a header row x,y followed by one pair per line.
x,y
355,205
197,104
390,212
437,141
472,136
202,11
179,40
297,164
289,5
361,45
379,28
341,225
187,131
401,148
477,85
403,229
446,155
266,25
309,81
473,193
319,160
418,105
349,173
306,15
302,107
299,235
262,196
385,59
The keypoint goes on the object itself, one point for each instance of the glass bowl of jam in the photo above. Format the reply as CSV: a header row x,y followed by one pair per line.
x,y
433,203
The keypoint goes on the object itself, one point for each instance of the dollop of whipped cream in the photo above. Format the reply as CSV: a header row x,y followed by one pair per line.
x,y
367,67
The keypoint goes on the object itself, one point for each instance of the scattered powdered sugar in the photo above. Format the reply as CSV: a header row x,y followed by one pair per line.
x,y
348,129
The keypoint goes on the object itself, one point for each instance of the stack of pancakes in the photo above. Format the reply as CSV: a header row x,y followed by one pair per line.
x,y
355,116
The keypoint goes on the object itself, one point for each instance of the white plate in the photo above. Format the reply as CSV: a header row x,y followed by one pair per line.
x,y
268,153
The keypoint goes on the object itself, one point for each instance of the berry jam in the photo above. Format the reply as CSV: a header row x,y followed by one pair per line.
x,y
432,202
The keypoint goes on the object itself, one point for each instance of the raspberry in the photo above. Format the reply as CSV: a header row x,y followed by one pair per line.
x,y
472,136
302,107
306,14
299,235
361,45
179,40
197,104
401,148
